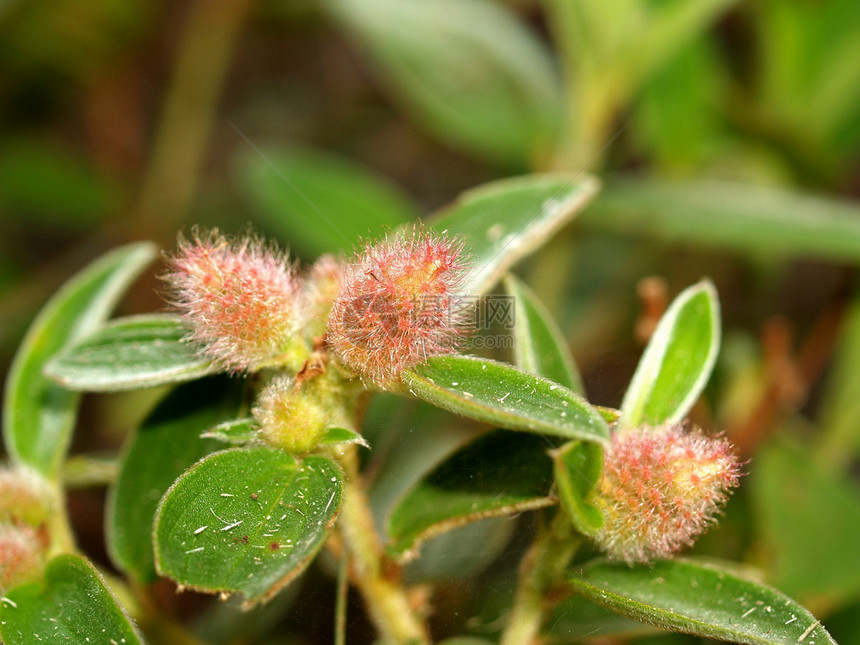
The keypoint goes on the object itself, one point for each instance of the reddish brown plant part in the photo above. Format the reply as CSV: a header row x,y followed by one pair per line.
x,y
239,296
661,487
398,306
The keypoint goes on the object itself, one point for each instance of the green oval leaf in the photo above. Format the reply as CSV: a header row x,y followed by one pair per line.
x,y
342,435
539,346
501,473
236,432
130,353
246,520
678,360
504,221
72,605
577,466
38,414
741,216
801,507
701,599
467,70
166,444
506,397
319,202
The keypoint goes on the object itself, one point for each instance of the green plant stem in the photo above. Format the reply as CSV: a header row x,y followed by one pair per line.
x,y
542,569
87,471
202,62
386,600
341,601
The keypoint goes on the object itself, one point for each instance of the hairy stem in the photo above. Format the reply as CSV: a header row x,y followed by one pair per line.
x,y
384,596
542,568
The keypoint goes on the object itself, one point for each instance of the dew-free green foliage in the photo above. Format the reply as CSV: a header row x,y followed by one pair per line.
x,y
321,203
512,111
809,495
754,219
73,604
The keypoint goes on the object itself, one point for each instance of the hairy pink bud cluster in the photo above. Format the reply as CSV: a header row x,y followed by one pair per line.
x,y
322,283
24,497
661,488
397,306
239,296
25,507
22,555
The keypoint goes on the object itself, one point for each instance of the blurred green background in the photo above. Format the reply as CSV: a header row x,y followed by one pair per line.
x,y
727,135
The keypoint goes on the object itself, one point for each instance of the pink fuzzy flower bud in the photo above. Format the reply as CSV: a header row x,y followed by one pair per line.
x,y
239,296
322,283
22,555
397,306
25,497
661,488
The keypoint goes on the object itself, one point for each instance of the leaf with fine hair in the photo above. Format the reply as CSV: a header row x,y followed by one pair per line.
x,y
246,520
504,221
72,604
678,360
702,599
130,353
506,397
38,414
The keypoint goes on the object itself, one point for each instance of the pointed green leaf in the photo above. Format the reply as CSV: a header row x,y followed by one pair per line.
x,y
319,202
678,361
130,353
246,520
342,435
735,215
505,397
501,473
72,605
236,432
539,346
468,71
38,414
505,221
577,466
701,599
168,442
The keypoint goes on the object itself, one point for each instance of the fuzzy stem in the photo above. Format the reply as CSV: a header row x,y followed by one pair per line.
x,y
384,596
541,569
